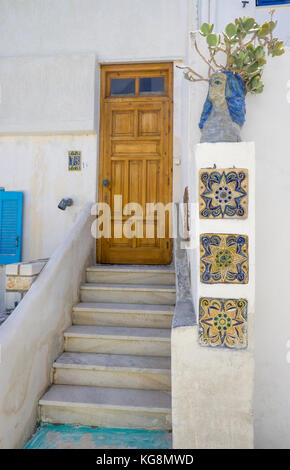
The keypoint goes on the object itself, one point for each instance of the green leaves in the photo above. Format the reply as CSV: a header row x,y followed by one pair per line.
x,y
253,67
230,30
206,29
212,40
255,84
248,23
275,47
244,43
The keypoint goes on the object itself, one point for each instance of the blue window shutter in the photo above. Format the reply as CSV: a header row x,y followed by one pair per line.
x,y
10,226
268,3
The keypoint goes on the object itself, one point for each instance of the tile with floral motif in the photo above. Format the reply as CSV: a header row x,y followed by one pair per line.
x,y
223,322
224,258
223,193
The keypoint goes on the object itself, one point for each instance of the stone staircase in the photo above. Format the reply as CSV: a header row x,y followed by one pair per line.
x,y
115,369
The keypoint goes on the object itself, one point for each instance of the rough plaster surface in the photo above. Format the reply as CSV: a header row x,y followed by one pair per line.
x,y
211,396
47,94
84,28
267,124
32,337
116,30
38,166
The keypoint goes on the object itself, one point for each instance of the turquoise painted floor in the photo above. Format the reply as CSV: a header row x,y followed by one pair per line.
x,y
50,436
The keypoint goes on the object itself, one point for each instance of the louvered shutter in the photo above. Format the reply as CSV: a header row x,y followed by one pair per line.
x,y
10,226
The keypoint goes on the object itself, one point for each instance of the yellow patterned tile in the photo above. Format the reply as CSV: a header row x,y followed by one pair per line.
x,y
223,322
224,258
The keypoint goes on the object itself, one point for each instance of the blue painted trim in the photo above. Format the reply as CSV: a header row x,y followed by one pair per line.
x,y
15,227
267,3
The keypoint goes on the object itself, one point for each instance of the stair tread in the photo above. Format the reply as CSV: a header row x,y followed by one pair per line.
x,y
130,287
134,308
93,360
132,268
116,397
121,331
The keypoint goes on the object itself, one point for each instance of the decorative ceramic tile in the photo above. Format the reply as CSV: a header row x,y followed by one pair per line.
x,y
223,193
223,322
224,258
74,160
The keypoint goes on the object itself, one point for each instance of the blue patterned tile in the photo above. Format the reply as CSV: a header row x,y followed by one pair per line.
x,y
74,160
223,193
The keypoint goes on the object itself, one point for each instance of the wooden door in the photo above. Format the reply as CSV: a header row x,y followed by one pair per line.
x,y
136,161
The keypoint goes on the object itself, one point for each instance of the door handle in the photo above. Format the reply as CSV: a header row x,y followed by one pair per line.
x,y
106,183
17,242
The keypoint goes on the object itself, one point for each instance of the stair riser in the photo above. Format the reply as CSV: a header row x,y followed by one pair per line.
x,y
122,319
127,297
105,277
116,379
105,417
138,347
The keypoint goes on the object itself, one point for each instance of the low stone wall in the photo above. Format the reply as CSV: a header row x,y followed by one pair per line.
x,y
19,279
20,276
32,337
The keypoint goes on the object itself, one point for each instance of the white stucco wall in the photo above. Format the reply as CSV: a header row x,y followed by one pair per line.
x,y
49,84
114,29
267,124
38,166
222,12
212,394
52,94
32,338
134,30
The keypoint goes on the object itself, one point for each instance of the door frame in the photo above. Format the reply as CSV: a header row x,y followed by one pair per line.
x,y
138,66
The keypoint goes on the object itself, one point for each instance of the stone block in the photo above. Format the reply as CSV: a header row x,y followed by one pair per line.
x,y
31,269
12,269
19,283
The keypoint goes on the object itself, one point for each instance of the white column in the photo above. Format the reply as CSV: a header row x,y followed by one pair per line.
x,y
212,386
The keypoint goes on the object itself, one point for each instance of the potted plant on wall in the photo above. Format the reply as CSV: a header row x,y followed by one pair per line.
x,y
242,49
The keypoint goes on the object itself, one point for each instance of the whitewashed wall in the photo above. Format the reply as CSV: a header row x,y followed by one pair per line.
x,y
267,124
114,29
53,94
222,12
37,33
38,166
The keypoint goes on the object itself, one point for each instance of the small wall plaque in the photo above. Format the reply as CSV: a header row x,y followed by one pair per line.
x,y
74,160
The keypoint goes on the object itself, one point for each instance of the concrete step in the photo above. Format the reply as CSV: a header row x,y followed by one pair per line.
x,y
129,274
110,370
132,315
118,340
106,407
128,293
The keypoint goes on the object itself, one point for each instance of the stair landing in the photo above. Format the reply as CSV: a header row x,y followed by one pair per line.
x,y
49,436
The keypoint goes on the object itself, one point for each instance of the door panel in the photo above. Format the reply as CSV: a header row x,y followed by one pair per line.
x,y
136,159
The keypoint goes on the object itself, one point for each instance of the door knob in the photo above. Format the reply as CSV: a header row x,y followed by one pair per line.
x,y
105,182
